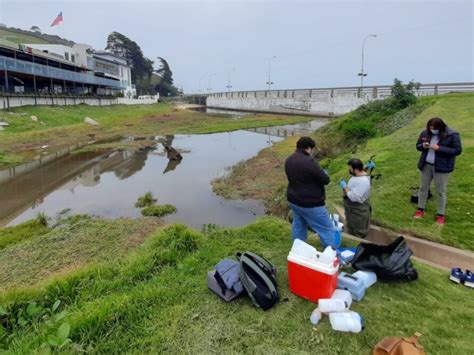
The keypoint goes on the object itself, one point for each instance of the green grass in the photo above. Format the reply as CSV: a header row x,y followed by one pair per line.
x,y
20,38
397,158
27,230
159,210
157,301
31,252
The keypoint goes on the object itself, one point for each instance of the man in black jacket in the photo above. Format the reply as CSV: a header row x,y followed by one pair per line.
x,y
306,195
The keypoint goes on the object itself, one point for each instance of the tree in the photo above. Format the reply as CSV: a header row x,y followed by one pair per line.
x,y
142,67
35,29
403,95
165,86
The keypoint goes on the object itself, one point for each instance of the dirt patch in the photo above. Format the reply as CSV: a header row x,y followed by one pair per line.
x,y
262,178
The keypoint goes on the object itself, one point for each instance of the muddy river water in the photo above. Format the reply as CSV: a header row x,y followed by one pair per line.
x,y
108,184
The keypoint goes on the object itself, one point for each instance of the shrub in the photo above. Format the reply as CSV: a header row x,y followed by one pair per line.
x,y
358,129
145,200
159,210
403,95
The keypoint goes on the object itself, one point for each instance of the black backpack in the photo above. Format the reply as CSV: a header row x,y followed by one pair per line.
x,y
258,278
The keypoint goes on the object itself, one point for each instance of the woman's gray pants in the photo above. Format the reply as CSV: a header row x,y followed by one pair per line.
x,y
441,182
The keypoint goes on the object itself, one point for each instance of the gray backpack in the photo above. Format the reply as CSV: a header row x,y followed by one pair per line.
x,y
258,278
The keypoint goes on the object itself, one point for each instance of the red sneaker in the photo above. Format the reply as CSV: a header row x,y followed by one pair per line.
x,y
419,214
440,220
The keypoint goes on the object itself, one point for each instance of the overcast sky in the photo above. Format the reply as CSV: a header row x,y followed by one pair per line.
x,y
317,43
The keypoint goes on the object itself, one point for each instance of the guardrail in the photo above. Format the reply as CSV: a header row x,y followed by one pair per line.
x,y
379,91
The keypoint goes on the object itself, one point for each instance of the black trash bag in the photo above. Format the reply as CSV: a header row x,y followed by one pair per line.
x,y
389,262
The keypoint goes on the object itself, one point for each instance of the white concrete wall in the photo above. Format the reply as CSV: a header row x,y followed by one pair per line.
x,y
325,102
127,101
17,101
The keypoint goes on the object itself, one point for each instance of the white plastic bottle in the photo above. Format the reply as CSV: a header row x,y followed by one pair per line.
x,y
346,322
328,305
327,256
316,316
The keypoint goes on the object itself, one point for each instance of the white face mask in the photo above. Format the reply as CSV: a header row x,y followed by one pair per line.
x,y
434,131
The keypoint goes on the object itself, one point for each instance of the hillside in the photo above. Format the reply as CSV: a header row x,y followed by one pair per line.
x,y
20,36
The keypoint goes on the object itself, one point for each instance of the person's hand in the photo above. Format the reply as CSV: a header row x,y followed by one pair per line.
x,y
434,146
426,145
343,184
371,164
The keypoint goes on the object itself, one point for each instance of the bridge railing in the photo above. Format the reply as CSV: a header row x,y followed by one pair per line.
x,y
377,91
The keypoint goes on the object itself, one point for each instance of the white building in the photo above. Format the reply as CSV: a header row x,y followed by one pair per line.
x,y
102,64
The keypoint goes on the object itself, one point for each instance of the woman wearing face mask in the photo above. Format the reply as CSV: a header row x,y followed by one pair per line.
x,y
439,146
356,199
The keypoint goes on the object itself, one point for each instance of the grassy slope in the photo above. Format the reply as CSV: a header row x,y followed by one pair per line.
x,y
396,159
30,253
157,301
64,125
20,38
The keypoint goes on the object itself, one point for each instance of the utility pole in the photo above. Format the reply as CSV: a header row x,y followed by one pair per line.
x,y
362,74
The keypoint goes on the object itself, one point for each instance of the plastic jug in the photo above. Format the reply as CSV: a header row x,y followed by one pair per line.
x,y
340,301
368,277
304,250
327,256
343,295
346,322
316,316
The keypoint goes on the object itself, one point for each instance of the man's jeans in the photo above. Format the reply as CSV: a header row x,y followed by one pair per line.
x,y
317,218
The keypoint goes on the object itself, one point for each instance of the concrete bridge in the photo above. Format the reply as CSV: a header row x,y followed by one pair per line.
x,y
315,102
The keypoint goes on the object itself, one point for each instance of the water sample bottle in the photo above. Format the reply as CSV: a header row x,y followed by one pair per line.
x,y
327,256
315,316
346,322
328,305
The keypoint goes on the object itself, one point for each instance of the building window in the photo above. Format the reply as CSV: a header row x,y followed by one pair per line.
x,y
73,58
66,55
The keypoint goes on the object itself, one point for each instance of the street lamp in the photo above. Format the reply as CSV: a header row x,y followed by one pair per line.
x,y
209,84
200,80
270,82
362,74
228,80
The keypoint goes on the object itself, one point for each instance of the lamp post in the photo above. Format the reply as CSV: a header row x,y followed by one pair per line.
x,y
200,80
270,82
228,80
362,74
209,83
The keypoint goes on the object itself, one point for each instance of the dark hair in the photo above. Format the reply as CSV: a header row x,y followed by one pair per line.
x,y
437,123
305,143
356,164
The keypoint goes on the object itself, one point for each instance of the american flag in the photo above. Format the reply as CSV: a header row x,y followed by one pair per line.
x,y
58,19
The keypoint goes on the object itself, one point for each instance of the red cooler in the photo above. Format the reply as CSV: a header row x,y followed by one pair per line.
x,y
311,279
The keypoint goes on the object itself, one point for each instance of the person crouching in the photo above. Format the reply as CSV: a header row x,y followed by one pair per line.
x,y
356,199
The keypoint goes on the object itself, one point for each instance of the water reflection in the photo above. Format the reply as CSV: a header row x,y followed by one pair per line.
x,y
108,184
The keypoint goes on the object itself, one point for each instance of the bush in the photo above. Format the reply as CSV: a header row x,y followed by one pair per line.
x,y
358,129
403,95
145,200
159,210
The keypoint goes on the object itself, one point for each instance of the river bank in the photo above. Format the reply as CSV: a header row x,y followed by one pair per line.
x,y
36,131
396,160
